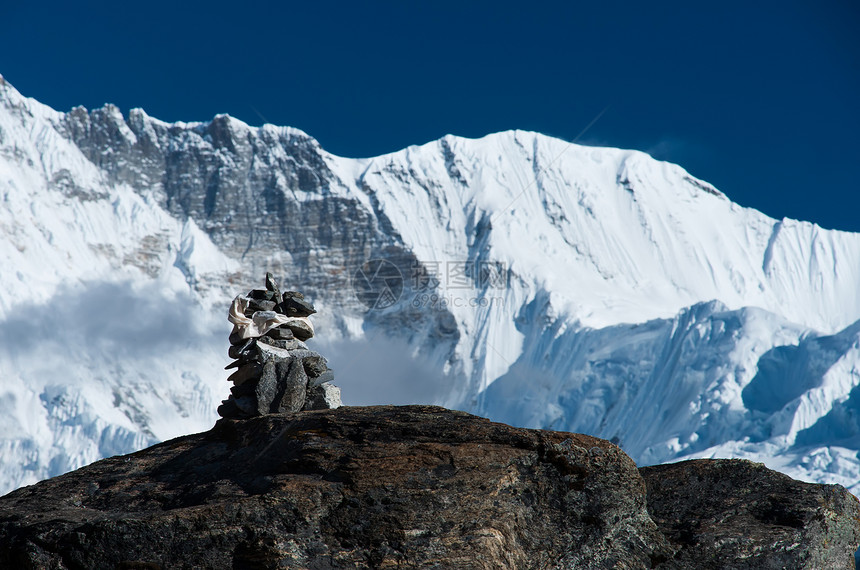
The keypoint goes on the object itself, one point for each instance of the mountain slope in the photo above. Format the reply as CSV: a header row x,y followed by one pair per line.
x,y
541,283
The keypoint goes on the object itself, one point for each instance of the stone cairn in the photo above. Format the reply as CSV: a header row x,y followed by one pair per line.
x,y
275,370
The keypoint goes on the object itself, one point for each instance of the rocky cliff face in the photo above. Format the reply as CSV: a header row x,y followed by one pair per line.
x,y
410,487
264,196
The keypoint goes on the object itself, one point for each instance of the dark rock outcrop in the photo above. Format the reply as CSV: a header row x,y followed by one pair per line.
x,y
732,513
385,487
347,488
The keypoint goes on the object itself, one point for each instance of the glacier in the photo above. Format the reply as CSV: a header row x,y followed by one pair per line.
x,y
543,284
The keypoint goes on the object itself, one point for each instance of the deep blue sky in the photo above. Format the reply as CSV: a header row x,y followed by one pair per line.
x,y
758,98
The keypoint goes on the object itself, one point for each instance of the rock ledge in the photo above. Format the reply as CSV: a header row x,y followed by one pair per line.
x,y
385,487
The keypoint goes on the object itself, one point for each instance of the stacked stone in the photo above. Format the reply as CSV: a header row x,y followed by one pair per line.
x,y
275,370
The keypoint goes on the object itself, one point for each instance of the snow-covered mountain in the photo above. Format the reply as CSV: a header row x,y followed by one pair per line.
x,y
537,282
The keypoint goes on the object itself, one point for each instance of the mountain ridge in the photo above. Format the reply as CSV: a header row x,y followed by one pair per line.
x,y
165,221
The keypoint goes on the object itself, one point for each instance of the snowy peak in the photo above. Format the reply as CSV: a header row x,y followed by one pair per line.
x,y
643,233
543,283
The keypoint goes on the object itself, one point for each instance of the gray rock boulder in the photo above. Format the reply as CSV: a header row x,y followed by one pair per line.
x,y
417,487
723,513
377,487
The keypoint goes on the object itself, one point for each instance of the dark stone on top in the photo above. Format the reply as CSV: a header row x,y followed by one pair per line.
x,y
295,307
272,285
261,294
259,305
